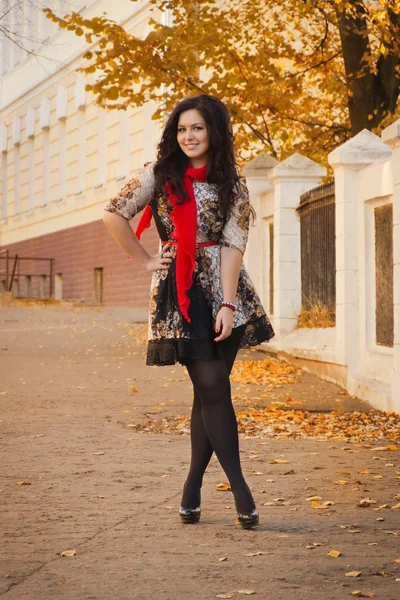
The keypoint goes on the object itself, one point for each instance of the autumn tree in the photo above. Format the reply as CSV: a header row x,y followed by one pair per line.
x,y
299,75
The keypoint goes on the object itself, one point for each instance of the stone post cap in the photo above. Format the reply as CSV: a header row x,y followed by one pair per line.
x,y
391,135
363,149
260,166
298,166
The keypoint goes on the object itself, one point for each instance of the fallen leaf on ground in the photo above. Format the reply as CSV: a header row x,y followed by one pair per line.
x,y
290,400
353,574
265,372
223,558
23,483
361,594
326,504
68,553
334,553
272,422
366,502
223,487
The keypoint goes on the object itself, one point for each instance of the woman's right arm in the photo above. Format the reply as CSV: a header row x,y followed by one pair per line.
x,y
123,234
130,200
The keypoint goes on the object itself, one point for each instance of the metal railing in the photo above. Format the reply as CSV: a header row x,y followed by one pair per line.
x,y
13,264
317,231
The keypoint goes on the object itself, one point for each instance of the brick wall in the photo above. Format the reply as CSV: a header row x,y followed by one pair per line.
x,y
77,252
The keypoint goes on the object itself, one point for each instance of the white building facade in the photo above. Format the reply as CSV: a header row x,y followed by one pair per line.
x,y
63,157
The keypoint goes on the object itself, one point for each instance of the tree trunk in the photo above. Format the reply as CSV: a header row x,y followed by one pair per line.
x,y
371,96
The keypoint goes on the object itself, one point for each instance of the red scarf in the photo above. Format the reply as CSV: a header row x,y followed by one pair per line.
x,y
184,219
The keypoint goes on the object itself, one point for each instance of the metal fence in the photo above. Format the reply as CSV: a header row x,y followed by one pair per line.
x,y
317,231
10,274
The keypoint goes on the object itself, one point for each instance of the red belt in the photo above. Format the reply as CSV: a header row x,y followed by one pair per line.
x,y
198,244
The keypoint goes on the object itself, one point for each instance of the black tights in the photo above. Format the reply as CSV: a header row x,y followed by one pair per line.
x,y
213,425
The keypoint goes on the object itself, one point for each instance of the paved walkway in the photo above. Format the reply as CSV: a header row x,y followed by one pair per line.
x,y
77,476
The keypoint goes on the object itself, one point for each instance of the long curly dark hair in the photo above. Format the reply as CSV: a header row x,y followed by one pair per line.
x,y
222,168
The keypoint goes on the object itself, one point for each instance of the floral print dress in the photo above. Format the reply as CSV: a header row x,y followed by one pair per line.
x,y
171,338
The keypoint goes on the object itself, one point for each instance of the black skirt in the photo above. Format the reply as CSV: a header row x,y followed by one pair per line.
x,y
176,340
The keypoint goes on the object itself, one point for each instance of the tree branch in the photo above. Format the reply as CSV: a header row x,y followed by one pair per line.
x,y
320,64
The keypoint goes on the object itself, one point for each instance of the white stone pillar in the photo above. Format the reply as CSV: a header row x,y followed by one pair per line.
x,y
291,178
347,160
391,136
257,177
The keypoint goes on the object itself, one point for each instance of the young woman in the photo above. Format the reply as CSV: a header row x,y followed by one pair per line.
x,y
203,305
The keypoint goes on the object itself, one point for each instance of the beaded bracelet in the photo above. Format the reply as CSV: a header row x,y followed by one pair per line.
x,y
229,305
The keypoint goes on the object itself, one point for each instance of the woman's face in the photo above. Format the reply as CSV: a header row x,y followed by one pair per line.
x,y
192,137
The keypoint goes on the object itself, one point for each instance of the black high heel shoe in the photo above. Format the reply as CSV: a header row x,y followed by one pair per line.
x,y
190,515
249,520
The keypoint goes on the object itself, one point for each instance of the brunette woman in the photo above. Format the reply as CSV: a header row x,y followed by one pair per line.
x,y
203,305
